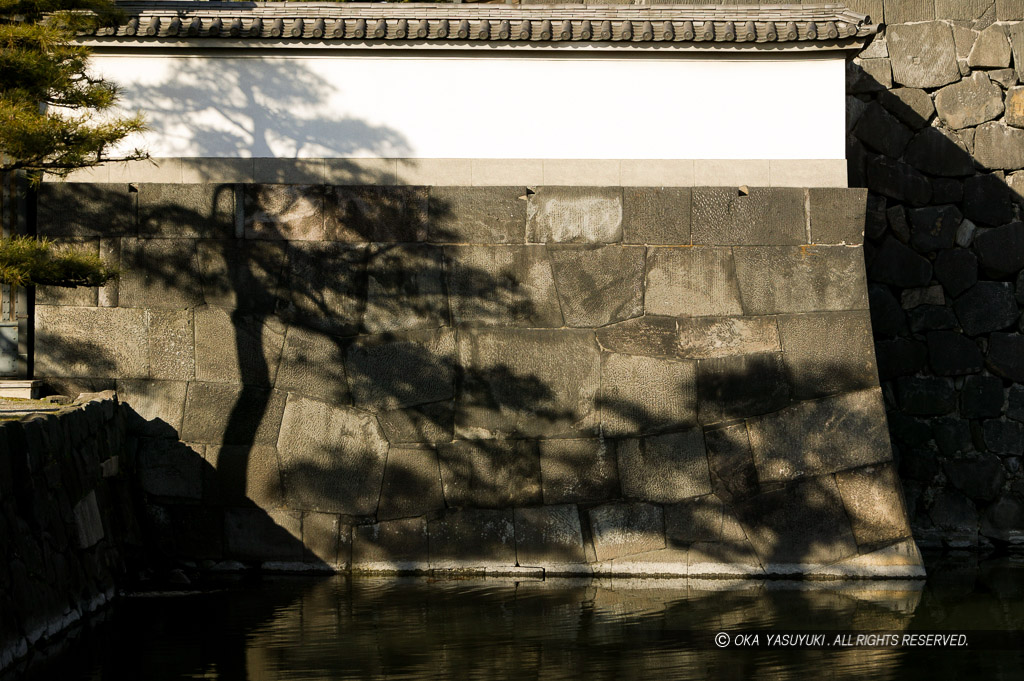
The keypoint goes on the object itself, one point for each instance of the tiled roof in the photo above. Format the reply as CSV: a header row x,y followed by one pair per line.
x,y
375,23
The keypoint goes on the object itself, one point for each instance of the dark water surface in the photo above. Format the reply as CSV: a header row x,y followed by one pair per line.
x,y
370,628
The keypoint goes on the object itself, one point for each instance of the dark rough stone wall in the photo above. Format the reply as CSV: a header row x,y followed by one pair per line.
x,y
620,380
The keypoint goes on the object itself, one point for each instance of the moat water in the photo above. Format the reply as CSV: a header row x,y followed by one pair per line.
x,y
308,628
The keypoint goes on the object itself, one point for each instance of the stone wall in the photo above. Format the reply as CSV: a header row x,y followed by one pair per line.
x,y
66,521
574,379
936,132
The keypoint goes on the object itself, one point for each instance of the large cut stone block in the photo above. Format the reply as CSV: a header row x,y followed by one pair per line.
x,y
405,288
664,469
828,352
472,539
332,458
740,386
477,215
777,279
171,344
324,286
490,473
691,282
412,484
598,285
398,370
837,216
241,274
160,403
923,55
502,285
820,436
424,423
626,528
83,210
646,394
578,471
589,215
326,540
548,536
91,341
243,474
873,498
970,102
262,535
375,213
724,216
159,273
395,545
284,212
219,413
187,210
733,474
233,347
168,468
312,364
656,215
691,337
699,519
534,383
999,147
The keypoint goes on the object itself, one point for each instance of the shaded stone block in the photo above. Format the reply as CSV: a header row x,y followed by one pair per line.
x,y
325,540
837,216
820,436
160,405
934,227
923,55
219,413
899,265
176,211
803,523
778,279
332,458
987,200
168,468
1015,403
952,354
723,216
91,341
324,286
241,274
472,539
986,306
405,288
868,75
412,484
952,436
426,423
897,180
913,106
1001,250
240,474
956,269
263,535
502,285
578,471
656,215
694,520
490,473
887,316
394,545
1003,437
981,397
940,152
171,344
827,353
999,147
85,210
664,469
285,212
548,536
646,394
733,474
477,215
159,273
598,285
626,528
312,364
882,132
873,500
1006,356
692,282
398,370
233,347
375,213
691,338
980,476
927,396
741,386
970,102
574,215
534,383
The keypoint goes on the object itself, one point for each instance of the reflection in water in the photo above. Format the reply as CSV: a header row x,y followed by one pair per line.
x,y
380,628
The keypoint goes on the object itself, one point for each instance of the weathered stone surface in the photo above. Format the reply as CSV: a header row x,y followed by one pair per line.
x,y
957,270
951,512
186,210
900,357
1001,250
324,287
159,273
991,50
741,386
868,75
578,471
928,396
598,285
412,484
899,265
733,474
887,316
691,282
472,538
931,318
656,215
375,213
882,132
168,468
646,394
952,354
952,435
626,528
820,436
1014,107
548,536
691,338
282,211
723,216
490,473
924,295
574,215
219,413
999,147
895,217
970,102
1006,355
312,364
1015,403
950,189
837,216
502,285
240,474
1015,33
1005,77
232,347
987,199
923,55
398,370
263,535
986,306
88,521
1001,437
981,397
326,540
405,288
423,423
534,383
160,403
873,500
965,234
827,353
913,106
171,344
91,341
664,469
981,476
241,274
477,215
395,545
694,520
85,210
898,180
778,279
332,458
800,524
934,227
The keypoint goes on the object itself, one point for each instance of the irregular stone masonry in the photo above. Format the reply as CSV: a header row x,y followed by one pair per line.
x,y
576,379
